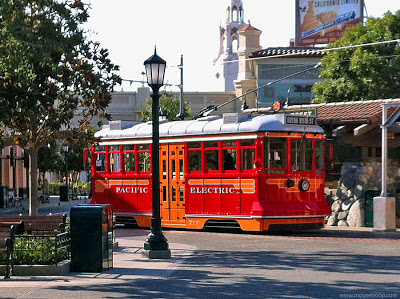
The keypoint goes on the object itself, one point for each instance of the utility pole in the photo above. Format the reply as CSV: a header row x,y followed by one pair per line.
x,y
181,114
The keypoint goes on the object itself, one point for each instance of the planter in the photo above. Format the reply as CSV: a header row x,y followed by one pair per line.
x,y
62,268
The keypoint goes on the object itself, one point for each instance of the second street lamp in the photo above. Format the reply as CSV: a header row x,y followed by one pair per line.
x,y
156,245
65,150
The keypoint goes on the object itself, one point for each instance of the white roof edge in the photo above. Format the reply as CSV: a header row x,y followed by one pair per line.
x,y
209,126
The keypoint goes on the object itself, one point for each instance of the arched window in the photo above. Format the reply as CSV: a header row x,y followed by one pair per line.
x,y
241,14
235,44
234,14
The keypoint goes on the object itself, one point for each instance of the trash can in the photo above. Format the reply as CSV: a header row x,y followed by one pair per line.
x,y
64,193
3,196
369,206
92,235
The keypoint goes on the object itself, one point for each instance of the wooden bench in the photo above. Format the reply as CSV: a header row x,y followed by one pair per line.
x,y
8,231
51,224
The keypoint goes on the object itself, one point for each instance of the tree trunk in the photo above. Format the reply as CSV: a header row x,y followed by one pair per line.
x,y
33,185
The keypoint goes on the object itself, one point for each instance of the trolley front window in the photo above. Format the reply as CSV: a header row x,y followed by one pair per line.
x,y
319,154
275,150
302,154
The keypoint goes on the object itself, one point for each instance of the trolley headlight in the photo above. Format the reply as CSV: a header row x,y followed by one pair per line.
x,y
290,183
304,185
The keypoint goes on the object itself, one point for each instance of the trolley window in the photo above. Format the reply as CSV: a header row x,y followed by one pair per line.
x,y
194,156
212,154
248,154
129,158
302,154
144,157
87,159
319,154
115,158
230,155
275,150
100,152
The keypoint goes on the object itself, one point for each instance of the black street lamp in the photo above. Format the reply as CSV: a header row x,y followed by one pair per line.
x,y
156,245
65,150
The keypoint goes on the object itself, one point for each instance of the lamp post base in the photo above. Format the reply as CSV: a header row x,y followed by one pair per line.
x,y
156,245
157,254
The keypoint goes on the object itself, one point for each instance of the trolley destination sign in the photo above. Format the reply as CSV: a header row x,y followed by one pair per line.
x,y
300,120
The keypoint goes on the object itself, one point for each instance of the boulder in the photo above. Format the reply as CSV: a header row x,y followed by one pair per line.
x,y
332,220
359,190
336,206
342,215
356,215
347,204
363,178
342,223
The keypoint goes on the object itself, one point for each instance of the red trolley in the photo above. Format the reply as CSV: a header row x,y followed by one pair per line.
x,y
253,172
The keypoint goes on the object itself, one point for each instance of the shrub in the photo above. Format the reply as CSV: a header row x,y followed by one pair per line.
x,y
38,250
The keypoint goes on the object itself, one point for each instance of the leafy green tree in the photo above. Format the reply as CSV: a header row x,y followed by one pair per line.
x,y
49,159
363,73
50,74
169,104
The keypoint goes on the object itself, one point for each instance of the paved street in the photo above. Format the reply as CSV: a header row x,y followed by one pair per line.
x,y
323,264
330,263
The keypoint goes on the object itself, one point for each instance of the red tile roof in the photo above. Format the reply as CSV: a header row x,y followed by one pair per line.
x,y
355,111
248,27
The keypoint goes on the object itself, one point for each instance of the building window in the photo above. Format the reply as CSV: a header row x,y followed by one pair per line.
x,y
269,92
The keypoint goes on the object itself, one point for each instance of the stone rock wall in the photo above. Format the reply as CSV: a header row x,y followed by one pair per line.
x,y
348,207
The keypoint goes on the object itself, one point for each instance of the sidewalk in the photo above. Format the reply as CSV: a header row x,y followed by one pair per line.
x,y
22,207
129,266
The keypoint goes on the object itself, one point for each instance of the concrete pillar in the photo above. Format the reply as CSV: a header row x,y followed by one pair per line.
x,y
384,213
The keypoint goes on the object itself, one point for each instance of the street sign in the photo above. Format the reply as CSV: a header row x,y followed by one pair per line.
x,y
300,120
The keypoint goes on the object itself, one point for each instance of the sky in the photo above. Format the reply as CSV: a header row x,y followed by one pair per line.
x,y
130,29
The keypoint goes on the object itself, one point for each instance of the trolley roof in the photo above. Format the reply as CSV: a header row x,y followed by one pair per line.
x,y
229,123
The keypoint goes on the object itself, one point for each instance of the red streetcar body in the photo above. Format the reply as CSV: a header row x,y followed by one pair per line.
x,y
256,173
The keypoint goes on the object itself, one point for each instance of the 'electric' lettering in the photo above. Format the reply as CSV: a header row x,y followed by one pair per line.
x,y
212,190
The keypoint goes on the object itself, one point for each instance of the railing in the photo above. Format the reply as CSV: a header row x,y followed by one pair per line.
x,y
41,249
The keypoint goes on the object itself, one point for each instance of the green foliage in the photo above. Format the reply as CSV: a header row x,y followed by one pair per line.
x,y
49,70
369,72
3,258
37,251
54,188
49,160
169,104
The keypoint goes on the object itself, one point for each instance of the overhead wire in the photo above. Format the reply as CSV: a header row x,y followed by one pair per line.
x,y
296,54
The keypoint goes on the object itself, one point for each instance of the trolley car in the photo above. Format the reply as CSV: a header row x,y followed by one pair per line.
x,y
253,172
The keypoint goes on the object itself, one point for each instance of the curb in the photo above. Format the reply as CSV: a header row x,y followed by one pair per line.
x,y
62,268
